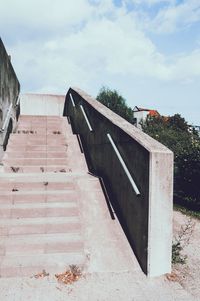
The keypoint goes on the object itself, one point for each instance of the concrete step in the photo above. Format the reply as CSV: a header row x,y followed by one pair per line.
x,y
43,243
19,154
39,169
39,186
39,197
7,161
37,142
29,265
40,148
59,209
40,225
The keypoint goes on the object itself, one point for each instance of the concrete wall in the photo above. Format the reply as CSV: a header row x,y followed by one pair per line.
x,y
9,92
42,104
147,218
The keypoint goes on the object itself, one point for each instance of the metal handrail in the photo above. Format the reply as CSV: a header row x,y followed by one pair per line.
x,y
7,118
18,100
72,100
86,119
123,165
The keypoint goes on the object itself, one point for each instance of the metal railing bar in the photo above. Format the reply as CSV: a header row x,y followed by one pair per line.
x,y
72,100
7,118
80,143
18,100
123,165
86,119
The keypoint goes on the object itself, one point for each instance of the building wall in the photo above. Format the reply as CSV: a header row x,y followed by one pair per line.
x,y
140,116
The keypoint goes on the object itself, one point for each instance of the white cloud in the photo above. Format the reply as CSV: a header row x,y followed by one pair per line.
x,y
148,2
110,43
91,44
176,17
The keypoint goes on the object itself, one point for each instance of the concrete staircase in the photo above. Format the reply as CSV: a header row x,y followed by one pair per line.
x,y
40,223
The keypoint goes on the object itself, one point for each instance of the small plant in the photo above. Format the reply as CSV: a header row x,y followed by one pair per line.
x,y
14,169
56,132
15,189
181,241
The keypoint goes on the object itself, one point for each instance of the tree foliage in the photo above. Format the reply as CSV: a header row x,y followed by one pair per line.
x,y
114,101
175,133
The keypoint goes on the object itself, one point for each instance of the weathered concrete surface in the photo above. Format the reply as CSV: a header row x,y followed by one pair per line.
x,y
9,91
42,104
147,218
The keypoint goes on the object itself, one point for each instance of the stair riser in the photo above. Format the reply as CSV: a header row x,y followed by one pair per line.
x,y
39,212
34,162
40,229
52,266
42,248
45,186
39,169
15,154
41,198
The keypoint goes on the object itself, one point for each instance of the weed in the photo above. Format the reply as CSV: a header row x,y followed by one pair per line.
x,y
14,169
181,241
56,132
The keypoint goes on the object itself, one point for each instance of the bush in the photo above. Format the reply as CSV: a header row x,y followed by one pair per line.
x,y
114,101
175,133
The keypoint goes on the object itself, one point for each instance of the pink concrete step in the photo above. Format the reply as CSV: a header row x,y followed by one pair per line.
x,y
37,141
40,225
39,169
19,154
39,197
41,186
34,161
29,265
40,148
39,210
42,243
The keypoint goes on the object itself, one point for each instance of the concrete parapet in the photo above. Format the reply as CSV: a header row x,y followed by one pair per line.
x,y
146,216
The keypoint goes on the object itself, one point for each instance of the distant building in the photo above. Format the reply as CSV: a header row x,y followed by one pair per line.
x,y
197,128
140,114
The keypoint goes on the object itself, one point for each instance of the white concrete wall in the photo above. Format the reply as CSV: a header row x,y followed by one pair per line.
x,y
42,104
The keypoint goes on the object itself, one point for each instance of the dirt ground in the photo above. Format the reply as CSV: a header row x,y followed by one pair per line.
x,y
188,274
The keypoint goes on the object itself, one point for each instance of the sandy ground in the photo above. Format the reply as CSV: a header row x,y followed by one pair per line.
x,y
188,274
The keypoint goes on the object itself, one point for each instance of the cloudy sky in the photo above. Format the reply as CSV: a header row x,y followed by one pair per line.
x,y
148,50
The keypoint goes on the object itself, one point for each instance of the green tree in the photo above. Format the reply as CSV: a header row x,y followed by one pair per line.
x,y
175,133
114,101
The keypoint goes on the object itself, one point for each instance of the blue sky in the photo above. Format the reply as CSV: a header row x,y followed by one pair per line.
x,y
148,50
